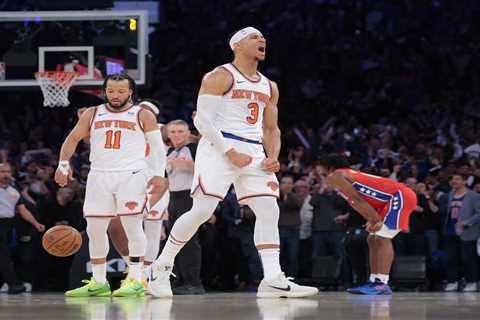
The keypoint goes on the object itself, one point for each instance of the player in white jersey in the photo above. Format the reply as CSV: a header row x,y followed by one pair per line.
x,y
155,213
237,117
119,177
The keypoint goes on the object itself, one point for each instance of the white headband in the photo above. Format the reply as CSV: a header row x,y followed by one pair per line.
x,y
241,34
151,106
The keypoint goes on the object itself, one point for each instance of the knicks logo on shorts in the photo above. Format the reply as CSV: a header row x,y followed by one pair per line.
x,y
131,205
273,185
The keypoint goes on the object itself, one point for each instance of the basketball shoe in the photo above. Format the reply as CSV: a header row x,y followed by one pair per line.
x,y
159,285
130,288
91,289
282,287
372,288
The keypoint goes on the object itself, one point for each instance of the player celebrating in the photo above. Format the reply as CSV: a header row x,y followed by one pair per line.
x,y
119,177
237,118
385,204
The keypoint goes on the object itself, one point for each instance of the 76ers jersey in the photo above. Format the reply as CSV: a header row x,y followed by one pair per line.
x,y
117,140
242,110
377,191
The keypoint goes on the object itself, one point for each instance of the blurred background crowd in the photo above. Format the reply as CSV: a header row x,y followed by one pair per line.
x,y
393,85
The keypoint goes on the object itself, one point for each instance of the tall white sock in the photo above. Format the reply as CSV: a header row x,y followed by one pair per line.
x,y
373,276
186,226
99,271
271,262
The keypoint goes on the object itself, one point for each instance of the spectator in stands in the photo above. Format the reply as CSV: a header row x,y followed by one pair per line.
x,y
289,226
302,190
330,211
461,230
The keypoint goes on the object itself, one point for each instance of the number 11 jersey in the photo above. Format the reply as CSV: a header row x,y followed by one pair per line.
x,y
117,140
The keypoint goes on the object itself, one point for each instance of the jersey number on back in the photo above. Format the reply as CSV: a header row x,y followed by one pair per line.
x,y
115,136
254,111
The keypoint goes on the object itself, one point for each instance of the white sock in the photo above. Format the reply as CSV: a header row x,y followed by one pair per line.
x,y
383,277
171,249
99,271
373,276
271,262
135,270
185,227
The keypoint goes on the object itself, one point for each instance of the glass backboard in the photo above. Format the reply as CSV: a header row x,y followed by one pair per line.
x,y
92,43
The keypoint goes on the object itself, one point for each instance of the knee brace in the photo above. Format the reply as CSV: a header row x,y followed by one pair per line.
x,y
266,226
137,242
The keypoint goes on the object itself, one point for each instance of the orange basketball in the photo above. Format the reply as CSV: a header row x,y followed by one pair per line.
x,y
62,241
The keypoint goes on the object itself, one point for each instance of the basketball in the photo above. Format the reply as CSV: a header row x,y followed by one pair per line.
x,y
62,241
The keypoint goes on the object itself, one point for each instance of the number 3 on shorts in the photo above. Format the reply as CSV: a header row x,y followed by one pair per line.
x,y
254,110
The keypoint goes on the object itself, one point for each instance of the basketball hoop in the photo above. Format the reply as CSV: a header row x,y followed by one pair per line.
x,y
55,86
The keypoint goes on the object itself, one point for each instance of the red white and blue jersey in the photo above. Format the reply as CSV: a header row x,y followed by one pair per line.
x,y
393,201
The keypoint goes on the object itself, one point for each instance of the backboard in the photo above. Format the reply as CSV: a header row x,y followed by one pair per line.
x,y
92,43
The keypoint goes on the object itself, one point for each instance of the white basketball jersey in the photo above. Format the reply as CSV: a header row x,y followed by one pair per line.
x,y
117,140
242,110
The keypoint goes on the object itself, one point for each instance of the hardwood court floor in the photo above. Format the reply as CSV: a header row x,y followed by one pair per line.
x,y
233,306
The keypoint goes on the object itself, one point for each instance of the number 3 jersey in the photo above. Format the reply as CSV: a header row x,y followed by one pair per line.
x,y
117,140
241,113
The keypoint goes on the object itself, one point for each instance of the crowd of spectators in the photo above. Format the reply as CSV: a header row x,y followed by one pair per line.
x,y
393,85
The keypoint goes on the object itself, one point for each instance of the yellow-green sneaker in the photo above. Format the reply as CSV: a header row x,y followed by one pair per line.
x,y
130,288
91,289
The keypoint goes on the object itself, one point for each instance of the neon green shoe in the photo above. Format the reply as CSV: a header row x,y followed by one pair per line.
x,y
91,289
130,288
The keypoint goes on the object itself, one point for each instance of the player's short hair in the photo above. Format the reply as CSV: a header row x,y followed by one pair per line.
x,y
287,176
4,164
120,77
458,174
333,160
178,122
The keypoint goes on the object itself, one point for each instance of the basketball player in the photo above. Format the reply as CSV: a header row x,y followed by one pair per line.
x,y
119,177
237,118
153,217
385,204
158,204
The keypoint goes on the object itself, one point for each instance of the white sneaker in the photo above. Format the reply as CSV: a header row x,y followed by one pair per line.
x,y
4,288
282,287
451,286
470,287
159,285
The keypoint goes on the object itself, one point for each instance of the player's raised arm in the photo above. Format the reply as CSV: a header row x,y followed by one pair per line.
x,y
340,182
79,132
214,85
157,159
271,132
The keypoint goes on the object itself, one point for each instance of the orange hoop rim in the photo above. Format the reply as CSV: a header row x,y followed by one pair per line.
x,y
56,74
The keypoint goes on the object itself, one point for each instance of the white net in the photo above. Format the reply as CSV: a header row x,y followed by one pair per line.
x,y
55,86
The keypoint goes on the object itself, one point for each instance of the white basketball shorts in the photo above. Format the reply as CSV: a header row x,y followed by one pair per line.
x,y
115,193
214,173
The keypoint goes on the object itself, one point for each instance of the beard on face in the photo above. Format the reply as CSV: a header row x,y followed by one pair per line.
x,y
119,106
